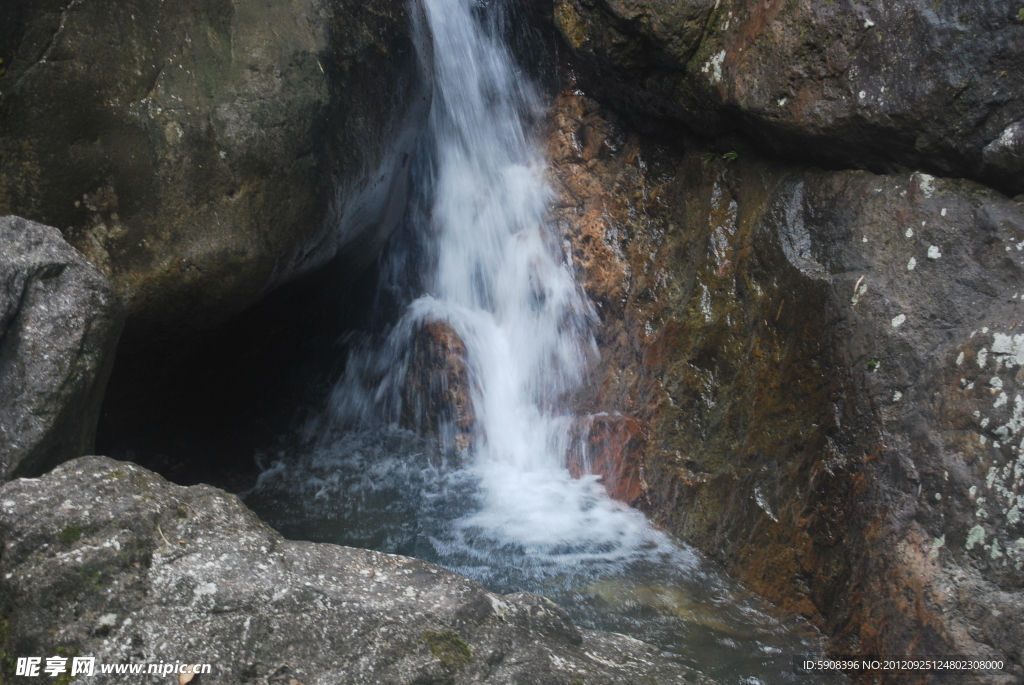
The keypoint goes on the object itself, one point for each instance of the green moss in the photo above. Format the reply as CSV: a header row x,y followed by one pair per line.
x,y
873,365
70,534
452,652
1020,15
65,677
181,513
92,579
6,661
116,474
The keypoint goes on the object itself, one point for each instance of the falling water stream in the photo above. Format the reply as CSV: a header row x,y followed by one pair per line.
x,y
478,256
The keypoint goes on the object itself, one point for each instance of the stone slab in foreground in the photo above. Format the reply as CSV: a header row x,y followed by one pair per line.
x,y
104,558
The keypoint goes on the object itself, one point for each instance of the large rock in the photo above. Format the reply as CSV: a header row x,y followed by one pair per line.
x,y
103,558
59,325
825,371
925,84
201,153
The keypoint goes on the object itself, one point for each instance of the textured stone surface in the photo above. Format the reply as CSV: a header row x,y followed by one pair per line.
x,y
823,370
103,558
202,153
934,85
59,325
436,396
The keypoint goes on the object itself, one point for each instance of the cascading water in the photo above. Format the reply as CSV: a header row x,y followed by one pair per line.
x,y
505,511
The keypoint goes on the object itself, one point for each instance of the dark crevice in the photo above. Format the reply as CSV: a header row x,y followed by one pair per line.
x,y
200,411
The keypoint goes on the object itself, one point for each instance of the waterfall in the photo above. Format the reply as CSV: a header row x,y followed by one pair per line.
x,y
477,255
491,267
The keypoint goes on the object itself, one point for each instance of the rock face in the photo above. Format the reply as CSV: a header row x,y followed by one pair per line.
x,y
103,558
437,393
59,325
824,371
932,85
202,153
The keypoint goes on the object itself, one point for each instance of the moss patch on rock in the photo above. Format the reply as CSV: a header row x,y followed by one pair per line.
x,y
449,649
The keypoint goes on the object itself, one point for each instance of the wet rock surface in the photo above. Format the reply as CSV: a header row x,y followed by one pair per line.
x,y
932,85
103,558
201,154
437,393
59,326
822,370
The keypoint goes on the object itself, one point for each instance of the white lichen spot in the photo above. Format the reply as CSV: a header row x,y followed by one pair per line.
x,y
960,359
911,264
981,514
975,537
1001,400
909,233
868,24
943,212
996,382
934,252
982,357
1008,350
972,492
897,321
938,496
782,102
205,589
982,439
897,396
715,67
984,422
864,239
994,550
926,183
937,544
108,620
862,94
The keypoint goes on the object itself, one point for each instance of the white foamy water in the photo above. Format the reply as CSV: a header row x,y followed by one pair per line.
x,y
503,284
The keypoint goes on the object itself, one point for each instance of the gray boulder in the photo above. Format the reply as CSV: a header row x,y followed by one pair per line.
x,y
59,325
105,559
202,153
933,85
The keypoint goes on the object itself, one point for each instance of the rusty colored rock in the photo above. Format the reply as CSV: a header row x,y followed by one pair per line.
x,y
436,397
610,446
826,367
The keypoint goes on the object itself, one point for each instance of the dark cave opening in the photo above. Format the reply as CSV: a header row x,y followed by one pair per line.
x,y
199,410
